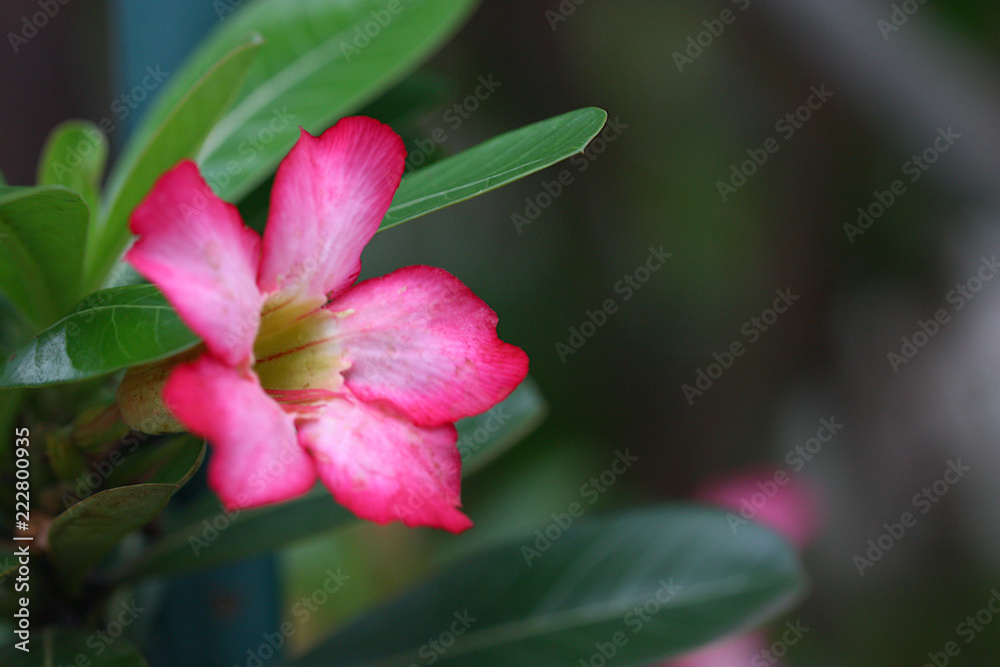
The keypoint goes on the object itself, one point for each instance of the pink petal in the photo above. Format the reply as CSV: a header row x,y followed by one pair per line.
x,y
421,340
384,468
329,197
256,456
194,247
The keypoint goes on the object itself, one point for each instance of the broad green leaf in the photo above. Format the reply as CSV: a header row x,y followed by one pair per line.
x,y
493,163
86,532
55,647
321,61
212,536
177,132
112,329
42,232
661,581
74,156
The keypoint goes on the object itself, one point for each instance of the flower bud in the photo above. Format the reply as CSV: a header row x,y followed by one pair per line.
x,y
140,395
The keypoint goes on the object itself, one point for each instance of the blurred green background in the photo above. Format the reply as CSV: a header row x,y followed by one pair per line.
x,y
694,90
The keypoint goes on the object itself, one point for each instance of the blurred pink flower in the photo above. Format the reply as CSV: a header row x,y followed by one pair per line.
x,y
302,373
787,505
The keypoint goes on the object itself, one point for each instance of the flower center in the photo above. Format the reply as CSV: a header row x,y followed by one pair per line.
x,y
298,358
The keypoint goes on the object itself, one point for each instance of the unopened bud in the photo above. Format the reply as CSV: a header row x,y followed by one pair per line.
x,y
140,395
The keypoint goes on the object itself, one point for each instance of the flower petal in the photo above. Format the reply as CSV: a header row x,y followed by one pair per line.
x,y
256,456
194,247
384,468
329,196
421,340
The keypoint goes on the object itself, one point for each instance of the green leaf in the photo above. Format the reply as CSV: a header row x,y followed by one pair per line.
x,y
318,65
74,156
493,163
112,329
42,232
54,647
212,536
662,581
84,534
168,461
484,437
175,131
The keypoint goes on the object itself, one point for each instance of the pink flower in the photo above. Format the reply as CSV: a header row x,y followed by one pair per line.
x,y
302,373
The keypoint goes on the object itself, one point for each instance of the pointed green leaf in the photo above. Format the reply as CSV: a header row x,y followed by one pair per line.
x,y
74,156
53,647
213,536
321,60
112,329
176,131
42,232
86,532
493,163
662,581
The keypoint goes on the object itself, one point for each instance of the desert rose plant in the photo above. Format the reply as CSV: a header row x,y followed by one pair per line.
x,y
199,305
